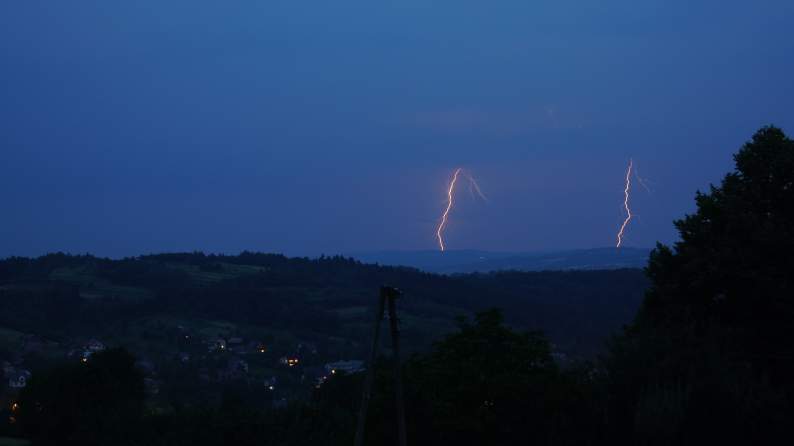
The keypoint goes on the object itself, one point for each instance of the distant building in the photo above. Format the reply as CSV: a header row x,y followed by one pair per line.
x,y
218,344
315,374
85,352
352,366
94,346
289,361
18,379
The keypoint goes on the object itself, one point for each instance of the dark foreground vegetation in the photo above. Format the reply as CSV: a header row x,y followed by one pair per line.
x,y
708,359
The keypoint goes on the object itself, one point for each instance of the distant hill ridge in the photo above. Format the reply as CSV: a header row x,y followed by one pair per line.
x,y
469,261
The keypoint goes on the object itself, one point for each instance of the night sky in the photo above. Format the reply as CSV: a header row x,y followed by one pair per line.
x,y
324,127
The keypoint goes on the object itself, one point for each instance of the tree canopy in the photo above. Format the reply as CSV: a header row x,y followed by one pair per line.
x,y
711,350
98,401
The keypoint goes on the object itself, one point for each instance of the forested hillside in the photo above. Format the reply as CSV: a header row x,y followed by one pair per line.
x,y
327,300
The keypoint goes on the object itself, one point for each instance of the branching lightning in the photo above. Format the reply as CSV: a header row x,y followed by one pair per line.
x,y
474,188
643,182
450,193
626,204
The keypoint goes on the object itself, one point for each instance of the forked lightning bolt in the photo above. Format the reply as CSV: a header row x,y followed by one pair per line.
x,y
626,204
450,194
643,182
474,188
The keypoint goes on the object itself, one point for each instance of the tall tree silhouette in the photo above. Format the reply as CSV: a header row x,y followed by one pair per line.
x,y
710,352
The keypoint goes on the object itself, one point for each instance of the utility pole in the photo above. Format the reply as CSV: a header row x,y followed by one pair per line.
x,y
388,296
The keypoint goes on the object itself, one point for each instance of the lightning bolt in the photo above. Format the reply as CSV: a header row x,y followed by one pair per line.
x,y
626,204
474,188
450,193
643,182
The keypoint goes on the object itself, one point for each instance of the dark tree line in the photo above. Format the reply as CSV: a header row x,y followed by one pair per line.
x,y
97,402
710,355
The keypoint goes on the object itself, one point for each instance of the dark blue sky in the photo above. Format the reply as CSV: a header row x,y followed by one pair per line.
x,y
310,127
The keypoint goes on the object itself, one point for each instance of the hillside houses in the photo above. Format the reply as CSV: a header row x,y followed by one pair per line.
x,y
15,376
86,350
18,379
175,358
348,367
